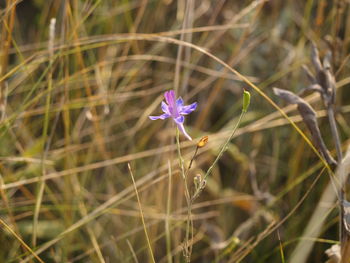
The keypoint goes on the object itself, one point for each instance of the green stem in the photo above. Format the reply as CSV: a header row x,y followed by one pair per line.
x,y
223,149
167,222
188,199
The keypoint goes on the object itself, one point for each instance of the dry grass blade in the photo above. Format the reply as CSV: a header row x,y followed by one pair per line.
x,y
7,227
141,213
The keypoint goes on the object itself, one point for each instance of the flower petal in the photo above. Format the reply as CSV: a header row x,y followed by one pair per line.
x,y
165,108
170,97
162,117
179,120
188,108
179,103
182,129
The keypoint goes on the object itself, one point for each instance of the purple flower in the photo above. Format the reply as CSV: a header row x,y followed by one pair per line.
x,y
175,109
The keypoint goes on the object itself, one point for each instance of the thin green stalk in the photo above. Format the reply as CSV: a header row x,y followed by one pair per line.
x,y
189,224
223,149
44,134
281,248
187,247
181,163
167,221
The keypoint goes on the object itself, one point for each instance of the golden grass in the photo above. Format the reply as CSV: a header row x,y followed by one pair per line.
x,y
74,112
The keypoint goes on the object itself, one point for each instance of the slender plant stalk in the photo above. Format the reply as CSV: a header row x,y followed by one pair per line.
x,y
223,149
189,225
192,159
190,199
45,132
343,235
281,247
187,248
141,212
335,135
167,221
132,251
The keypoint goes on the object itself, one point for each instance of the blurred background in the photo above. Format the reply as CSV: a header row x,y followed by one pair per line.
x,y
76,93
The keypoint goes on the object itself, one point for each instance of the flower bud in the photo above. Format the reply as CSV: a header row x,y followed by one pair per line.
x,y
197,180
246,100
202,142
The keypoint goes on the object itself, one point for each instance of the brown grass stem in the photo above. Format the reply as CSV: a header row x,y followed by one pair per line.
x,y
141,213
7,227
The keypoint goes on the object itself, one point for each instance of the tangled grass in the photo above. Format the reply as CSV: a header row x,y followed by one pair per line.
x,y
87,177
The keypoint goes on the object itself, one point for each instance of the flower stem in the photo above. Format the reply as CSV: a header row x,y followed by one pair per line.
x,y
187,246
167,221
223,149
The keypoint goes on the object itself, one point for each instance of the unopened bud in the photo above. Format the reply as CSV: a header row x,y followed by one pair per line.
x,y
246,101
197,180
203,141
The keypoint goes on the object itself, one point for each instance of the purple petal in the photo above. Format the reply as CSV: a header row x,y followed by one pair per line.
x,y
165,108
162,117
170,97
179,120
188,109
182,129
179,103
